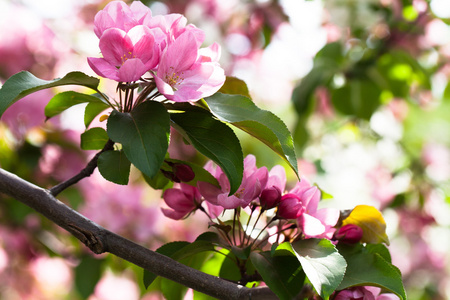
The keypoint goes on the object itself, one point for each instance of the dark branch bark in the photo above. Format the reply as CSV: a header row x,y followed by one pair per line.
x,y
86,172
100,240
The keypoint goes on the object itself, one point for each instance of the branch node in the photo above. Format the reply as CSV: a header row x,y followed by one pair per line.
x,y
88,238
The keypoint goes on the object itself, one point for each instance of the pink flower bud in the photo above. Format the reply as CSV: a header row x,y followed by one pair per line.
x,y
270,197
350,234
290,207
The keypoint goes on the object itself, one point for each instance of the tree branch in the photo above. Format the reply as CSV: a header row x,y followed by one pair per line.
x,y
86,172
100,240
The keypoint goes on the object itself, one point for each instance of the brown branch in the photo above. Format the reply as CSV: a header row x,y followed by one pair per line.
x,y
100,240
86,172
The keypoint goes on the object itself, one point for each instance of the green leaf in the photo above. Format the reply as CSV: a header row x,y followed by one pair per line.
x,y
94,139
92,110
241,112
159,181
235,86
229,269
65,100
213,139
366,267
25,83
282,274
359,98
322,263
114,166
143,133
87,274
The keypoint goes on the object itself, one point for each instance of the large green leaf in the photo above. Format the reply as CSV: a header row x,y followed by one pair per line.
x,y
114,166
94,139
282,273
321,262
25,83
213,139
64,100
144,135
262,124
368,266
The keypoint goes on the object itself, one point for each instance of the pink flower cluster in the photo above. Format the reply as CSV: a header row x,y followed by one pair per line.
x,y
133,42
260,187
364,293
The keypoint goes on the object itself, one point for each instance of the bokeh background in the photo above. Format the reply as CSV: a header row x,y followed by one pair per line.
x,y
361,84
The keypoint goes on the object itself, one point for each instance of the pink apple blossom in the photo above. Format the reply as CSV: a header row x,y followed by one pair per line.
x,y
181,201
271,194
182,76
117,14
254,180
126,55
364,293
301,203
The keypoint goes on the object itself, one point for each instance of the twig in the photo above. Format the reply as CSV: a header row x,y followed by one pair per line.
x,y
100,240
86,172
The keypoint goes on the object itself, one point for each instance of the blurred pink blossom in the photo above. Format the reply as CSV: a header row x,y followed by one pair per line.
x,y
118,208
436,158
115,287
364,293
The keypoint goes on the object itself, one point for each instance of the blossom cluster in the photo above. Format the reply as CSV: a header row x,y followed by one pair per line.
x,y
133,43
259,188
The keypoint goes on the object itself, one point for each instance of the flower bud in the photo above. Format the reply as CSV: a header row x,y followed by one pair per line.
x,y
290,207
183,173
350,234
270,197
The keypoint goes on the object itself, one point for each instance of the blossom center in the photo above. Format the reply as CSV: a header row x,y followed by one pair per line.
x,y
173,78
127,56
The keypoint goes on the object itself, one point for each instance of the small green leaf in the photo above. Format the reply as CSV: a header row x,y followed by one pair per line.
x,y
87,274
241,112
92,110
25,83
213,139
282,274
114,166
65,100
159,181
235,86
322,263
144,135
94,139
367,267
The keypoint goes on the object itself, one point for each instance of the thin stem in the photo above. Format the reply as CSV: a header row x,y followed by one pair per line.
x,y
86,172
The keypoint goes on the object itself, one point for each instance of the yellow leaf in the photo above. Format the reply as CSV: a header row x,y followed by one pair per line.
x,y
371,222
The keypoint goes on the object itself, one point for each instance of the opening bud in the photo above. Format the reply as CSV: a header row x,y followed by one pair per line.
x,y
270,197
349,234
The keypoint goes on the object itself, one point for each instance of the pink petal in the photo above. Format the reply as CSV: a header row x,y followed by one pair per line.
x,y
102,68
209,191
229,202
310,199
178,201
277,177
311,226
114,43
173,214
131,70
328,216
